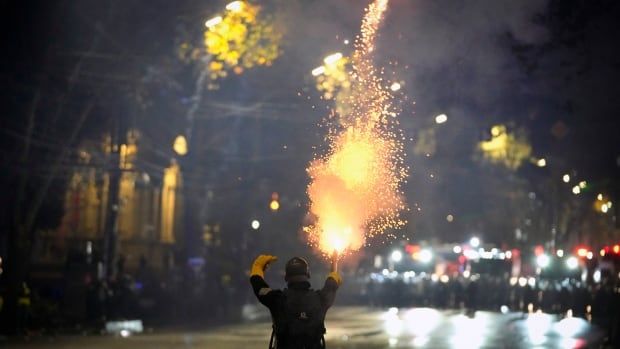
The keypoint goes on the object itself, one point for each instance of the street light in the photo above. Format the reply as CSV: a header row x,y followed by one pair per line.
x,y
333,58
566,178
474,242
235,6
543,261
396,256
576,190
318,71
572,262
395,86
180,145
255,224
541,162
441,118
425,256
213,22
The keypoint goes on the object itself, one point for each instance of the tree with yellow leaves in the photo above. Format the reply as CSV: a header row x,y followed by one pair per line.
x,y
505,148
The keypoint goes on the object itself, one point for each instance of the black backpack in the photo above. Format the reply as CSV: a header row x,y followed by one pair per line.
x,y
300,322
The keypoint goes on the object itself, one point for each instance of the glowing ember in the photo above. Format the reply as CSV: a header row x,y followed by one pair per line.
x,y
355,187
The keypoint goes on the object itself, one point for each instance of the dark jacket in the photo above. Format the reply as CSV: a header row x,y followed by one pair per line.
x,y
276,302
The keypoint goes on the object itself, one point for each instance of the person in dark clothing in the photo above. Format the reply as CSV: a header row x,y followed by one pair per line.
x,y
298,311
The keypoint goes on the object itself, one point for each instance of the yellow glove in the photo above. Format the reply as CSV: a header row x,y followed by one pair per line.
x,y
260,264
334,275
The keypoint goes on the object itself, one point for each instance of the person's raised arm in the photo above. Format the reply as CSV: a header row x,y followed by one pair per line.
x,y
328,292
262,291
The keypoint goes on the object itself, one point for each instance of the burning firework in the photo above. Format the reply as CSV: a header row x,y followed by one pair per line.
x,y
355,187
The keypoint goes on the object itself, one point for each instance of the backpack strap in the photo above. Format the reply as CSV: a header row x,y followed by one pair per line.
x,y
273,342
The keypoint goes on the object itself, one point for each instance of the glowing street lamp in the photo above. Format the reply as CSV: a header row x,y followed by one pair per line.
x,y
543,261
566,178
396,256
333,58
572,262
213,22
541,162
180,145
318,71
255,224
425,256
235,6
441,118
576,190
604,208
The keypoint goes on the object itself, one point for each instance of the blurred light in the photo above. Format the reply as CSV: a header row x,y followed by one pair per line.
x,y
385,272
572,262
274,205
180,145
474,242
125,333
457,249
396,256
425,256
541,162
444,278
346,41
450,218
508,254
596,277
559,253
213,22
395,86
576,190
531,281
538,325
543,261
539,250
522,281
609,204
504,309
599,197
583,184
496,130
466,274
471,254
318,71
604,208
566,178
571,327
513,280
602,252
582,252
441,118
255,224
420,341
616,248
235,6
333,58
589,255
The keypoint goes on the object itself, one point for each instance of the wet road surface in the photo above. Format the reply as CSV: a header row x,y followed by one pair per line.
x,y
368,328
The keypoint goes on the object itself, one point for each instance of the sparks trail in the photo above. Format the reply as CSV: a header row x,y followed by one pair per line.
x,y
355,187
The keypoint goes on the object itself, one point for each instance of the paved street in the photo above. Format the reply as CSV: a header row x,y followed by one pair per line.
x,y
358,327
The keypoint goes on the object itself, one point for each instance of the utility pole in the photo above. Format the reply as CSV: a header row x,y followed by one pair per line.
x,y
110,230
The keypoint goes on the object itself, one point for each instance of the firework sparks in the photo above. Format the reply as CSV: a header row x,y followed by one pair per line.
x,y
355,187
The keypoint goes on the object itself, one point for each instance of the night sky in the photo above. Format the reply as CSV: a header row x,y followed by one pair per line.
x,y
550,68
